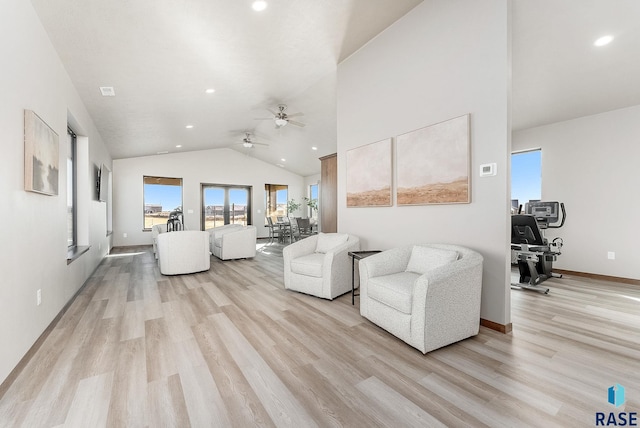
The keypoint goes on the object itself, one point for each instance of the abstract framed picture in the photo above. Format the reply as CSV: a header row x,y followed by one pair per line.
x,y
369,175
41,156
433,164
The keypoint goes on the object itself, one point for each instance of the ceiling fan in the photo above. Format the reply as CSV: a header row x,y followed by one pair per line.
x,y
248,143
281,118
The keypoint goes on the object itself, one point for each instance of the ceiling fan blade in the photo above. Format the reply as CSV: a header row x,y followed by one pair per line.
x,y
259,144
262,118
295,114
272,111
296,123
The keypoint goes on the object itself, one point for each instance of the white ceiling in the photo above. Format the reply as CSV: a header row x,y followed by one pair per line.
x,y
160,57
557,73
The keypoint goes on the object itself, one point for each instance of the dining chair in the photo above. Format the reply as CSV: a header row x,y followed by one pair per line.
x,y
274,230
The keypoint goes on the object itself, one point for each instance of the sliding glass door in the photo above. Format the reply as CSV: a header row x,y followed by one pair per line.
x,y
225,204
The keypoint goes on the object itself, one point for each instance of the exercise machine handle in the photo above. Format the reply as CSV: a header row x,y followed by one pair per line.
x,y
564,217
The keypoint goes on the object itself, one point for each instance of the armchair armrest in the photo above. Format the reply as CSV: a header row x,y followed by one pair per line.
x,y
447,302
337,265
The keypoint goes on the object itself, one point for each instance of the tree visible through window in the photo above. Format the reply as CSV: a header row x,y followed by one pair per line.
x,y
162,195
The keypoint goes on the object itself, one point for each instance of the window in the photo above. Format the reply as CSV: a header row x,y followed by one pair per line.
x,y
162,195
72,227
276,197
313,197
225,204
526,177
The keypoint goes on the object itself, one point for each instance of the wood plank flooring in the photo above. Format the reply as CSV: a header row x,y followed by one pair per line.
x,y
231,348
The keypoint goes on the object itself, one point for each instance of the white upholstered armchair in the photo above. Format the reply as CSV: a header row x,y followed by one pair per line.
x,y
319,265
427,295
233,241
184,251
156,230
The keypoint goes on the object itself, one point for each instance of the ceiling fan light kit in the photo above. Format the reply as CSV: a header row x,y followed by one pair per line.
x,y
248,143
281,118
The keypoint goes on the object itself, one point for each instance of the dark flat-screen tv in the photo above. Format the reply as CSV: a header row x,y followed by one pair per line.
x,y
103,183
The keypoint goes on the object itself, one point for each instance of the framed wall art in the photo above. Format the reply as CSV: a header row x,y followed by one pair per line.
x,y
369,175
433,164
41,156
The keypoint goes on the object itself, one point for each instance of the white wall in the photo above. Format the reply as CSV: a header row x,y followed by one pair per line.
x,y
33,249
444,59
591,164
217,166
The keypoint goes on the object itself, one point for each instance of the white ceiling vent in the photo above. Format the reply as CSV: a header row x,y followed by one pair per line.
x,y
107,91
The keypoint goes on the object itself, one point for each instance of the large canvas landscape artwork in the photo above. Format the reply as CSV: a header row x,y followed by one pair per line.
x,y
369,175
433,164
40,156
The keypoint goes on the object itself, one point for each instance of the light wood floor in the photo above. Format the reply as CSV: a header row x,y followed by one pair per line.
x,y
231,347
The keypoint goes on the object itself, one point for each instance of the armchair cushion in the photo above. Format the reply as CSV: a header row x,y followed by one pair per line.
x,y
394,290
328,241
310,265
424,259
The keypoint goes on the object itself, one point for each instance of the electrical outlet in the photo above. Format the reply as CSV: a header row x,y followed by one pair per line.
x,y
124,235
611,255
39,296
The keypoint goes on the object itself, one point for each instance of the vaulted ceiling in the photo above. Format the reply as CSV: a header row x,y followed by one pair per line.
x,y
161,57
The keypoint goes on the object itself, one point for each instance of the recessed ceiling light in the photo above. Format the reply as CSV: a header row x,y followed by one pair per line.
x,y
179,145
259,5
210,91
107,91
283,160
604,40
189,126
314,148
164,152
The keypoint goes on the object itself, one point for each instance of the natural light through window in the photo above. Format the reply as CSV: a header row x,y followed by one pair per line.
x,y
526,177
162,195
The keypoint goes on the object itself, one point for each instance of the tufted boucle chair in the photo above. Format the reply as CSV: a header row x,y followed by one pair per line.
x,y
427,295
319,265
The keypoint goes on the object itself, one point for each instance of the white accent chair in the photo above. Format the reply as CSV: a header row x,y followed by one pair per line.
x,y
233,241
185,251
319,265
156,230
426,295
